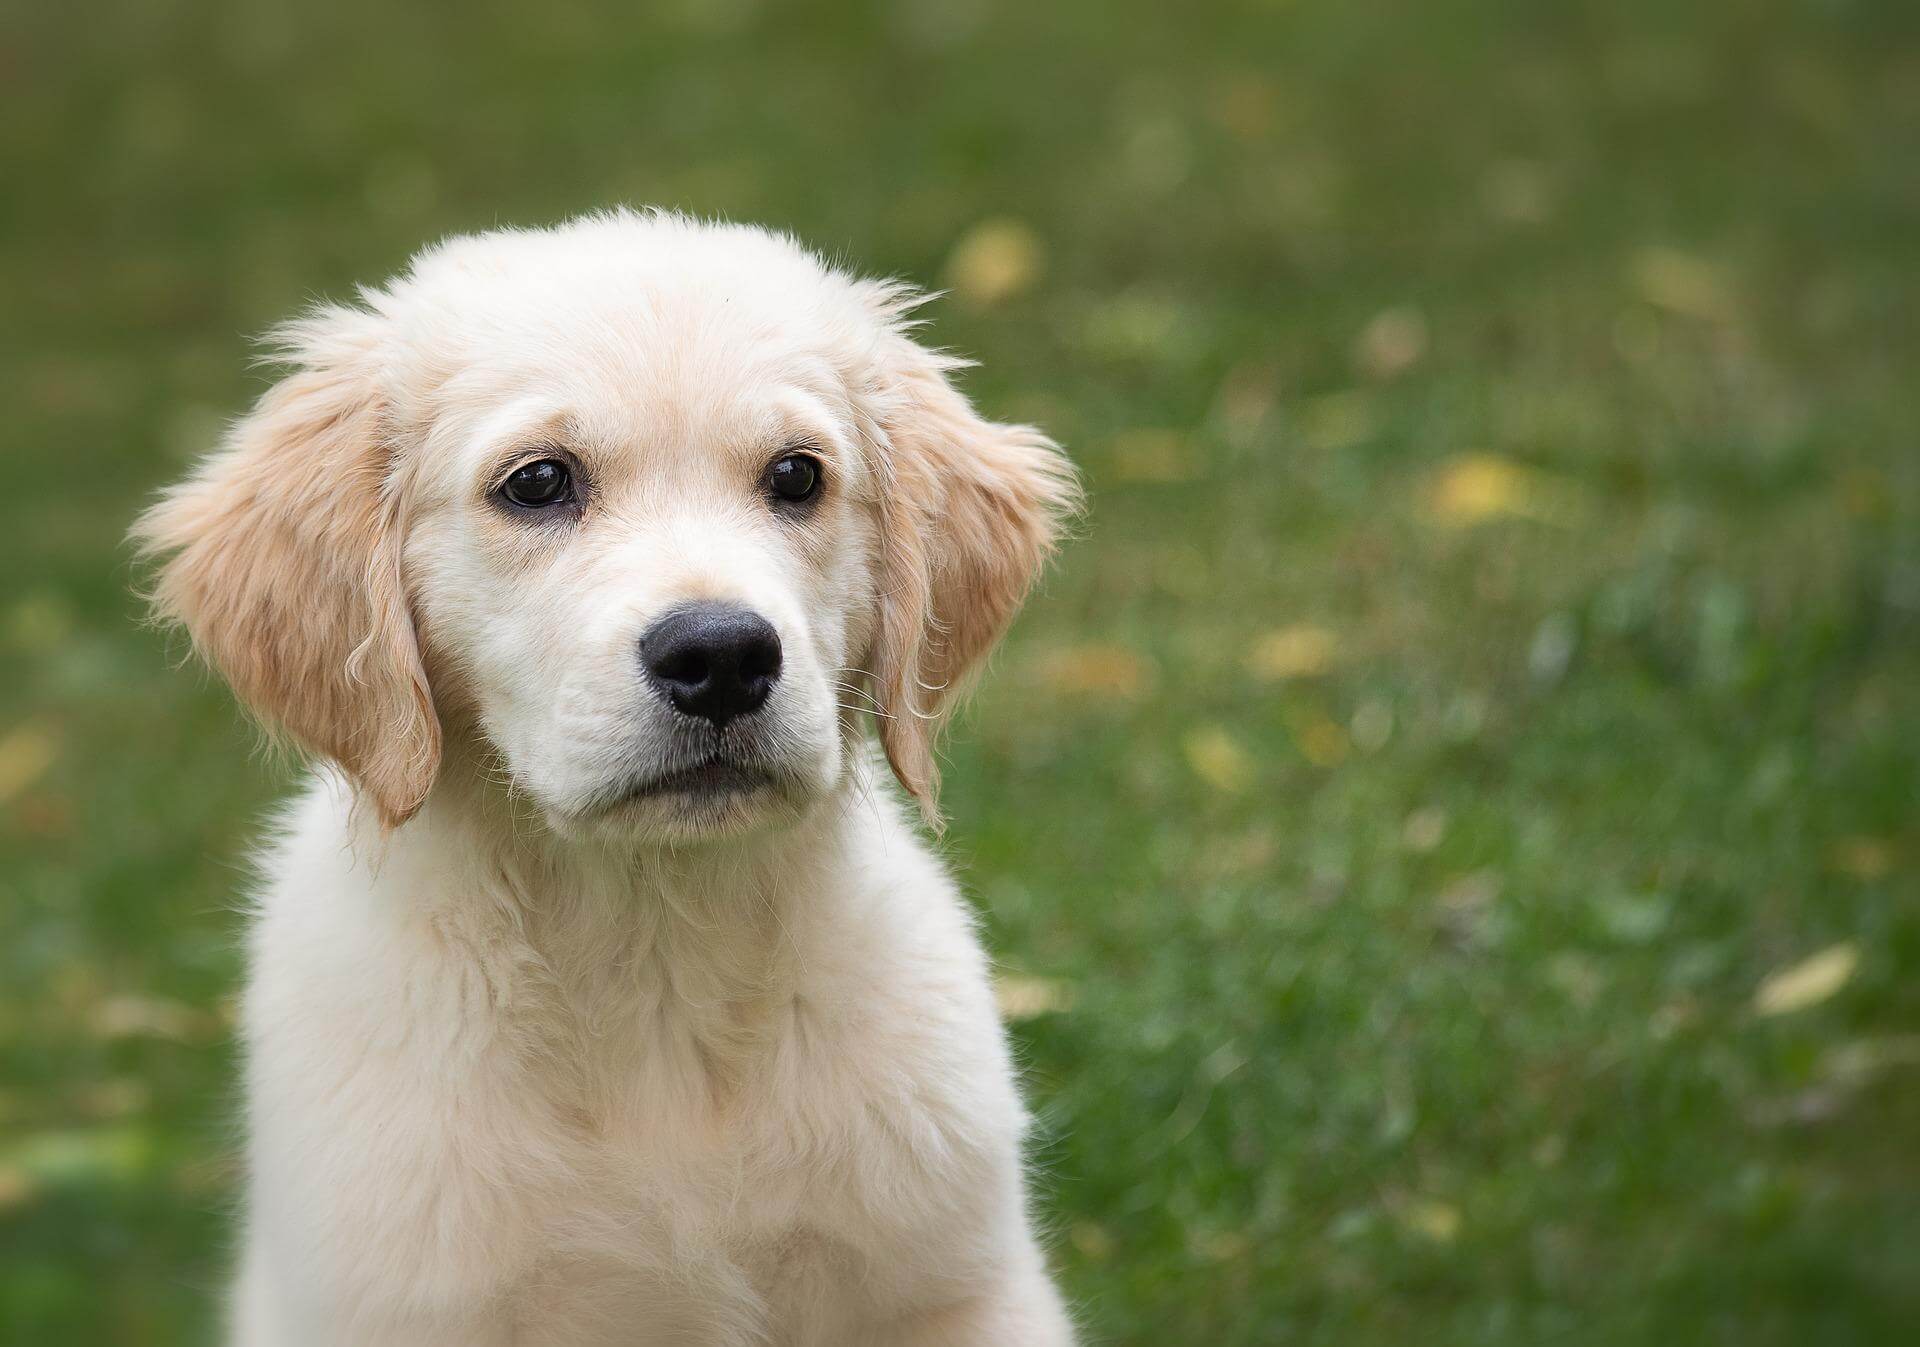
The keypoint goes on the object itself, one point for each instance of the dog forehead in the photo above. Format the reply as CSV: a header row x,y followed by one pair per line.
x,y
613,286
633,341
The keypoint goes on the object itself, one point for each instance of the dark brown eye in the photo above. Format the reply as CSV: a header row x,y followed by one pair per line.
x,y
542,483
794,477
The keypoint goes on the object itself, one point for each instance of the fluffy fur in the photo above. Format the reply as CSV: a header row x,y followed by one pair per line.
x,y
534,1055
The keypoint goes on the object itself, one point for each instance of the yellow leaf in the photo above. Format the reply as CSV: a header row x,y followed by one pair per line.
x,y
1222,1246
1809,982
1517,191
1477,487
1424,829
92,1155
1092,1240
1246,105
39,623
1863,858
1864,493
1138,325
1372,725
1438,1221
1472,892
1245,400
1111,671
1158,456
1322,742
1682,283
26,752
995,261
1391,343
16,1187
1577,976
1217,758
1336,421
1023,998
152,1017
115,1098
1298,651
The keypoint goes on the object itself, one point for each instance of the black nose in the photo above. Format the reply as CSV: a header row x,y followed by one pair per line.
x,y
713,660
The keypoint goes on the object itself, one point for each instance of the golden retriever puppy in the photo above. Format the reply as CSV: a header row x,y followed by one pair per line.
x,y
601,989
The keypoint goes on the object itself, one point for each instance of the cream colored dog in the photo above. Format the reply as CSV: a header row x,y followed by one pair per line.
x,y
600,990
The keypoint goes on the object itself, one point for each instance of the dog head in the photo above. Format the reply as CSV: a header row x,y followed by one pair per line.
x,y
647,513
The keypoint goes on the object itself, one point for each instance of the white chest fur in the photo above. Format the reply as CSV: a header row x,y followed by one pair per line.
x,y
734,1096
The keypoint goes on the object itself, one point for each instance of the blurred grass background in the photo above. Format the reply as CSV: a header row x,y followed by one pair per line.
x,y
1449,826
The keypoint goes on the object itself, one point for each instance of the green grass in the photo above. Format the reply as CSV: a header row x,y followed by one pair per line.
x,y
1412,993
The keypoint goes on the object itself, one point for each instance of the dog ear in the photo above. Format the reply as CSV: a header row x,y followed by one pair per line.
x,y
282,561
969,512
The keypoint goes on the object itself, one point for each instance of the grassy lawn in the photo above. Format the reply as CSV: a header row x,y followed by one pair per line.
x,y
1450,824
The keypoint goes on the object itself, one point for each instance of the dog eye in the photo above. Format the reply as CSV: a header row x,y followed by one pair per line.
x,y
532,485
794,477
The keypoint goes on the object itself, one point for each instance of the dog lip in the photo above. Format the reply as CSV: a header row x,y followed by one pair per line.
x,y
715,776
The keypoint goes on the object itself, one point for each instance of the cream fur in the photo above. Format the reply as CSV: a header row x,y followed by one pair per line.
x,y
530,1062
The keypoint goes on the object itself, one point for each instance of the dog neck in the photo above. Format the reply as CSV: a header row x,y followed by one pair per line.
x,y
718,921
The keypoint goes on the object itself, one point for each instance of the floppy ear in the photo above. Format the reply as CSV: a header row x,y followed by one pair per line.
x,y
969,512
282,560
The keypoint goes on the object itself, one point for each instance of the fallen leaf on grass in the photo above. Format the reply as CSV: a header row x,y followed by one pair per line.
x,y
1098,670
1676,1016
1217,758
1245,400
1683,283
1139,325
1246,105
1336,421
93,1155
1158,457
1024,998
1577,977
993,262
1092,1240
1437,1221
1809,982
1478,487
152,1017
16,1187
1863,858
1474,891
1321,741
1841,1074
1299,651
1372,725
1633,918
1424,829
1517,191
1392,343
39,623
1467,915
115,1098
1864,493
1863,1059
1222,1246
25,754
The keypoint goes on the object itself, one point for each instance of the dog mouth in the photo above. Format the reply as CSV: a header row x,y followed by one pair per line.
x,y
711,779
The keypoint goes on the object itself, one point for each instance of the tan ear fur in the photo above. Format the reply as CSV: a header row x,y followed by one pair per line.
x,y
282,560
969,514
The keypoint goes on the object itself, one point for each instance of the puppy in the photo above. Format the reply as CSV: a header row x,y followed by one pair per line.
x,y
600,988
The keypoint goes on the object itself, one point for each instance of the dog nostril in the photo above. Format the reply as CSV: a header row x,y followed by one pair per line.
x,y
761,658
712,660
684,666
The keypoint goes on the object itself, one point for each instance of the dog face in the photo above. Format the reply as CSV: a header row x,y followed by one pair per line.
x,y
643,549
643,513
